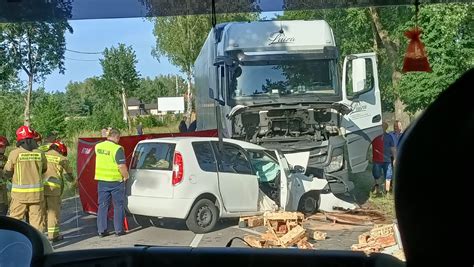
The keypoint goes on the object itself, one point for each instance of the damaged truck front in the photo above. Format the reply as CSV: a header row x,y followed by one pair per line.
x,y
279,84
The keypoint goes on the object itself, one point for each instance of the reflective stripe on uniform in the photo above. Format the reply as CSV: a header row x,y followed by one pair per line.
x,y
27,188
55,185
53,229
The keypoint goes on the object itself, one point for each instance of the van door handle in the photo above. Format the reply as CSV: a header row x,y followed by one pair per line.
x,y
376,118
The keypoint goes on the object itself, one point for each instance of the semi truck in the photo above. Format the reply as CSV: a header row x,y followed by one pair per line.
x,y
281,85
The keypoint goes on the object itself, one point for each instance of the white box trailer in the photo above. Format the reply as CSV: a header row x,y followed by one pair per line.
x,y
279,84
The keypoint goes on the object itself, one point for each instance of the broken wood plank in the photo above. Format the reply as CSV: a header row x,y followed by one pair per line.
x,y
364,238
297,216
367,248
318,235
293,236
254,241
252,221
382,230
304,244
383,241
348,219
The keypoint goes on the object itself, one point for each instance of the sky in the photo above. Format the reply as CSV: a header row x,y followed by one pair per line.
x,y
94,36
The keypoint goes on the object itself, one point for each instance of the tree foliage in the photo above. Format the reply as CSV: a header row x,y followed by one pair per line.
x,y
447,37
37,48
120,74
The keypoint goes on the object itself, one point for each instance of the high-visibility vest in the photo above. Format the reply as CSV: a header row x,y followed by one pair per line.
x,y
106,168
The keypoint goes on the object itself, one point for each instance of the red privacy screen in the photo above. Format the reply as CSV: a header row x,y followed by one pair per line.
x,y
86,162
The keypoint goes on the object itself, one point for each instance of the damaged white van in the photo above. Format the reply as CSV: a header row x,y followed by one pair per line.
x,y
195,179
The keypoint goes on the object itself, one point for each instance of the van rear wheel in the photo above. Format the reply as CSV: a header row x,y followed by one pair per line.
x,y
203,217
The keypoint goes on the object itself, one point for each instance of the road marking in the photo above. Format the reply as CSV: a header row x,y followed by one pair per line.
x,y
196,240
247,230
72,219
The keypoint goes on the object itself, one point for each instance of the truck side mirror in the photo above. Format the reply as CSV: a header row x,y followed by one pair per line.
x,y
211,96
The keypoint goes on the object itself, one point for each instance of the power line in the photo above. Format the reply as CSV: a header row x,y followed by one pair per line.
x,y
82,52
76,59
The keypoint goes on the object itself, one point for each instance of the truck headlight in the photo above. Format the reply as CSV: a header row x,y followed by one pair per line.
x,y
335,164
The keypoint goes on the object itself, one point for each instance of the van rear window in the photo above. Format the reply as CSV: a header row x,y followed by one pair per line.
x,y
153,156
205,156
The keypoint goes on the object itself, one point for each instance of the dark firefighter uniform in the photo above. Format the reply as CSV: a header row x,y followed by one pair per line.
x,y
58,169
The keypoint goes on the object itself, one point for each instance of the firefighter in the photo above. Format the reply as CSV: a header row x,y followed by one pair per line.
x,y
58,168
39,139
50,139
26,165
3,183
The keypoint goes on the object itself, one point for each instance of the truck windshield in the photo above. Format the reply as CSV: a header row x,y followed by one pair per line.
x,y
284,78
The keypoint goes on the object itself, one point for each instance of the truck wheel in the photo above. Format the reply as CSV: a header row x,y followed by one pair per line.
x,y
309,203
203,217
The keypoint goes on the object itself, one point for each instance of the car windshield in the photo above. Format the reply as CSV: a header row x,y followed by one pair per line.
x,y
287,78
331,84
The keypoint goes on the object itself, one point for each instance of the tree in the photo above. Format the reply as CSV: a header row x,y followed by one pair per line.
x,y
450,45
49,112
120,74
180,39
37,48
447,39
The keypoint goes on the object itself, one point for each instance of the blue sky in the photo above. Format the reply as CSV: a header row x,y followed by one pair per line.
x,y
94,36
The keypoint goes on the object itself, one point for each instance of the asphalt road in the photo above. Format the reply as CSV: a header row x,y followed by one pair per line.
x,y
80,232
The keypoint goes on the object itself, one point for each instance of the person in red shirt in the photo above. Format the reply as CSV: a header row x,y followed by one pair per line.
x,y
383,149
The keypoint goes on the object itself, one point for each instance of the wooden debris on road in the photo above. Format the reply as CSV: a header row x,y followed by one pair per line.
x,y
255,241
380,237
304,244
347,218
293,236
318,235
284,229
250,222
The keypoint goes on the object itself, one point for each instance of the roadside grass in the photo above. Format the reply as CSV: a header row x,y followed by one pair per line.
x,y
70,188
363,183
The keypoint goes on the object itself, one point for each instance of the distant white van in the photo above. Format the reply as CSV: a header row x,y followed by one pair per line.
x,y
192,178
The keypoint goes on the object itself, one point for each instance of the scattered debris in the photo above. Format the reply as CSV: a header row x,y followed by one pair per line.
x,y
380,237
347,218
399,254
317,235
284,229
250,222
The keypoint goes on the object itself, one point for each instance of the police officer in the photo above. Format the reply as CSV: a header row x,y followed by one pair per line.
x,y
58,168
3,183
26,165
111,173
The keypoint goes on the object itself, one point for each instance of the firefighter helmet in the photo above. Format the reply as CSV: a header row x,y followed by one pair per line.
x,y
24,132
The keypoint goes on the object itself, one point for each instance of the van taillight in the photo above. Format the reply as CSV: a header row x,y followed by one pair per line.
x,y
178,168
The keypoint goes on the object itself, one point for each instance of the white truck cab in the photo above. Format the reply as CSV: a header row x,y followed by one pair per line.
x,y
279,84
192,178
